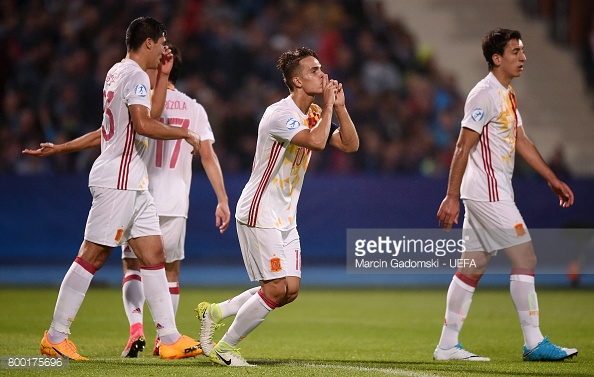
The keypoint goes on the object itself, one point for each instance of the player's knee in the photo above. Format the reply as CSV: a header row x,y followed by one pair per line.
x,y
131,264
292,296
276,293
94,255
470,278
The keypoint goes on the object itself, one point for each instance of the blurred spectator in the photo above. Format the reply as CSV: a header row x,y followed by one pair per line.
x,y
558,164
407,111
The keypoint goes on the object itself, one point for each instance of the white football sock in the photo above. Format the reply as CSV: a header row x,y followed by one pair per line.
x,y
72,293
174,292
159,302
250,315
458,303
231,306
524,297
133,296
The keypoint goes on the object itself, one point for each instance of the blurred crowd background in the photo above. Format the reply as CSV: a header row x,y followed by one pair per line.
x,y
407,110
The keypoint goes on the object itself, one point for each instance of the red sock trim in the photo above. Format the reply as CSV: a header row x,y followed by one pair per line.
x,y
466,280
86,265
174,290
522,271
271,304
155,267
131,277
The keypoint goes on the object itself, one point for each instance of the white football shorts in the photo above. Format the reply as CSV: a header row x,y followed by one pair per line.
x,y
269,253
118,215
493,226
174,239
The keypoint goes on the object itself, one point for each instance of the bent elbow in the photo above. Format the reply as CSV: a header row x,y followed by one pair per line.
x,y
140,128
353,147
317,145
316,148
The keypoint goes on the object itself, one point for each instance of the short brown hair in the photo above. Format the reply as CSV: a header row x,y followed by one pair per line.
x,y
495,41
288,63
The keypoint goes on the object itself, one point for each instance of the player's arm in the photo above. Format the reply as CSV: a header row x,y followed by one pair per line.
x,y
316,137
530,154
146,126
86,141
211,165
346,139
449,210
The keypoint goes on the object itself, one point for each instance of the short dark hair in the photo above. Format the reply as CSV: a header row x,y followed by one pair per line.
x,y
177,62
494,42
142,28
288,63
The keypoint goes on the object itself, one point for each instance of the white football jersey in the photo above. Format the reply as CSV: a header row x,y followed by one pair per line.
x,y
269,199
120,164
169,162
491,111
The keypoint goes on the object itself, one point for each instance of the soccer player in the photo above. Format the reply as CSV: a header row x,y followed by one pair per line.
x,y
169,165
123,209
480,174
289,131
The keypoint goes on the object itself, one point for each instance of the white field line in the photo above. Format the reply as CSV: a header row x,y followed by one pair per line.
x,y
388,371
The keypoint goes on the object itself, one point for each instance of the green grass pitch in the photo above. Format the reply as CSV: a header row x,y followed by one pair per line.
x,y
326,332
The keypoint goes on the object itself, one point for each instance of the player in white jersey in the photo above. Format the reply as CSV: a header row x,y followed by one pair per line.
x,y
480,174
266,211
169,164
123,209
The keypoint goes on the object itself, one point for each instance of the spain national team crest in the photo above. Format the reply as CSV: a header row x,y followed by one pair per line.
x,y
275,264
520,231
119,234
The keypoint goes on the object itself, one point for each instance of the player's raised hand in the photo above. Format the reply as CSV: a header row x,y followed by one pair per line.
x,y
330,89
166,62
339,101
46,149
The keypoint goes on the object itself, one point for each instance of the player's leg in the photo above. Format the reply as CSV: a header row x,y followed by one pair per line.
x,y
133,299
231,306
463,285
172,275
458,301
211,315
99,240
149,250
292,251
264,253
523,293
145,240
70,297
274,258
174,235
